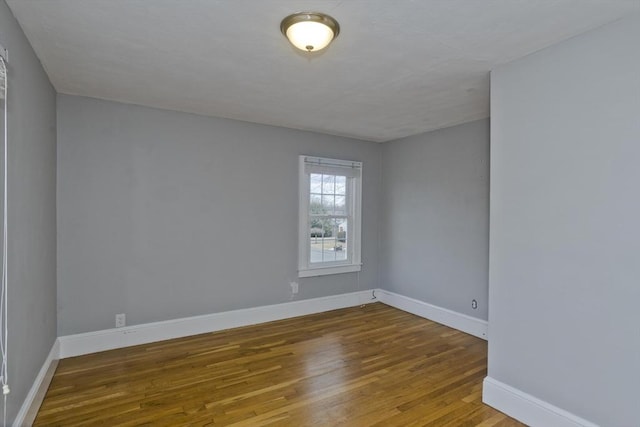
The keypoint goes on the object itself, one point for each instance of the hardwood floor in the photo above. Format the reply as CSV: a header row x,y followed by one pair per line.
x,y
354,367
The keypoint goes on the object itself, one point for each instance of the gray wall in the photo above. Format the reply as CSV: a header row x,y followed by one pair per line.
x,y
434,239
32,212
165,214
565,232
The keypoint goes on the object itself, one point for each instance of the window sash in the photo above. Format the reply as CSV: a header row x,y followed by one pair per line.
x,y
348,195
349,246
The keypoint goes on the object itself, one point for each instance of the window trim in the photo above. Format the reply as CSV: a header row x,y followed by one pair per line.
x,y
305,269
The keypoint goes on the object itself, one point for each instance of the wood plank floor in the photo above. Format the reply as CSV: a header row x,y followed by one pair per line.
x,y
371,366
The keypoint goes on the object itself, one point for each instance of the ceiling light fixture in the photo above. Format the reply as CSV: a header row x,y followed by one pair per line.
x,y
310,31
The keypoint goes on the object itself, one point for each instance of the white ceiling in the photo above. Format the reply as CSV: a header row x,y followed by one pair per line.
x,y
398,68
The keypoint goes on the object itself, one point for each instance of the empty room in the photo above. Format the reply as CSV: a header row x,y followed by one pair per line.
x,y
320,213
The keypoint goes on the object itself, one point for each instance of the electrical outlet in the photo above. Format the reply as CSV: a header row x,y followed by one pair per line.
x,y
121,320
474,304
294,287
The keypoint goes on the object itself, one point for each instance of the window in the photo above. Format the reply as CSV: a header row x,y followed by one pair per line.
x,y
329,230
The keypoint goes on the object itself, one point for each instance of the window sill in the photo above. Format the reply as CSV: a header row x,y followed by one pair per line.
x,y
323,271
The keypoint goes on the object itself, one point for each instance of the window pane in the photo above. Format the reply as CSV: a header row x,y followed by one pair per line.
x,y
328,249
317,237
316,183
341,185
341,239
315,205
328,184
341,207
317,227
328,203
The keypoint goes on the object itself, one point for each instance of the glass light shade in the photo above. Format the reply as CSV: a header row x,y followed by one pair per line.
x,y
310,31
309,36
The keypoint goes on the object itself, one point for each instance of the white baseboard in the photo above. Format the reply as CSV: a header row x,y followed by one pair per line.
x,y
109,339
526,408
31,404
453,319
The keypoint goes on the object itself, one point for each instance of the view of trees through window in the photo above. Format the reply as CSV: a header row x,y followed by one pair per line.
x,y
328,218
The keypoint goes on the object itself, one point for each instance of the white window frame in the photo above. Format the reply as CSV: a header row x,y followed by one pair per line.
x,y
354,213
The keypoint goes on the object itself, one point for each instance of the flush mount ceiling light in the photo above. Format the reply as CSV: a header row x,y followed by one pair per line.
x,y
310,31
